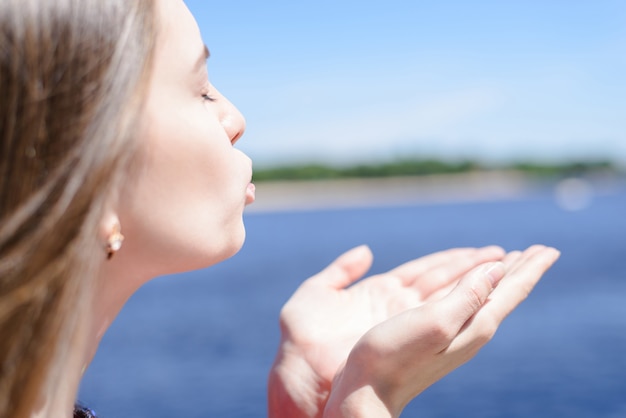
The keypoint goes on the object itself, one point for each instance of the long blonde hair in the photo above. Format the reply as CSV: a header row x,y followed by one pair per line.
x,y
73,75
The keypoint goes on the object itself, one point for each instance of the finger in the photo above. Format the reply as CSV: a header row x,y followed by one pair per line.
x,y
442,291
511,291
449,272
520,280
472,292
465,300
510,258
524,257
409,273
346,269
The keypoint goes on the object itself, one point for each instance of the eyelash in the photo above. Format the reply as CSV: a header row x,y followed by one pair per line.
x,y
208,98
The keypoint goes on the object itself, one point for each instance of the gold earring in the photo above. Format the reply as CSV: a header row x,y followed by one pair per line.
x,y
114,242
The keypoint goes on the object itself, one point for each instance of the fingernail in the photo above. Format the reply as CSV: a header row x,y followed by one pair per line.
x,y
495,248
355,254
495,272
555,253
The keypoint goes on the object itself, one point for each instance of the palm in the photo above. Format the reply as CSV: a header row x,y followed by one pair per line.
x,y
326,316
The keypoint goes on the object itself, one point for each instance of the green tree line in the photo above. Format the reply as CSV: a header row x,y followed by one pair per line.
x,y
420,167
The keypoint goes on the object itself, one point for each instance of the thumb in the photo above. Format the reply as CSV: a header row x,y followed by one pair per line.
x,y
347,268
471,293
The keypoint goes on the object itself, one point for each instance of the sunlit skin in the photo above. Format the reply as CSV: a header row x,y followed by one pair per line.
x,y
400,331
185,210
182,210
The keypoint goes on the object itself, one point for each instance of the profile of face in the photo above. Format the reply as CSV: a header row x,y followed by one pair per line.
x,y
184,209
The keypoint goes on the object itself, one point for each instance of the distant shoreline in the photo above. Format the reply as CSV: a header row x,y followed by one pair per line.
x,y
393,191
389,191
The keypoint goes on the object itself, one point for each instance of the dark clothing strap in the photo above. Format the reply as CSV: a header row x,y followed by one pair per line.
x,y
83,412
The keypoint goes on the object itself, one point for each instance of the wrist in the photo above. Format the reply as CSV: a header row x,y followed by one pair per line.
x,y
362,402
359,391
294,390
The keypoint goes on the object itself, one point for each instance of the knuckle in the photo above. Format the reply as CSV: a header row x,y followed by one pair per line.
x,y
487,331
525,290
474,299
441,332
283,318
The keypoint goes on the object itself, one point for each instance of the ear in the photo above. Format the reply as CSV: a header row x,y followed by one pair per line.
x,y
111,234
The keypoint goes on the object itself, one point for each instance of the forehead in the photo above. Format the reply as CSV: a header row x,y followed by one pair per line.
x,y
180,38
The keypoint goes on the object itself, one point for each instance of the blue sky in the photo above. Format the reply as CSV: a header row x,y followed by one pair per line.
x,y
345,81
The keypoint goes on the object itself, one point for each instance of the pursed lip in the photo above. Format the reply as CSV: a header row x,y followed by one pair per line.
x,y
250,193
250,188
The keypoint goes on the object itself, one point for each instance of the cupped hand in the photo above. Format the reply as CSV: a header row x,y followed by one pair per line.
x,y
329,313
399,358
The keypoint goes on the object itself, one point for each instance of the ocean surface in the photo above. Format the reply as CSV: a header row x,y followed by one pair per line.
x,y
201,344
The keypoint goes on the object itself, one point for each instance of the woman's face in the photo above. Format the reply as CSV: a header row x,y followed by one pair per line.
x,y
185,209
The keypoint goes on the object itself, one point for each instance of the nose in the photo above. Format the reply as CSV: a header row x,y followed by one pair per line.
x,y
231,119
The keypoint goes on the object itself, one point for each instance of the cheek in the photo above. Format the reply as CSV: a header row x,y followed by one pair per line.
x,y
185,210
179,245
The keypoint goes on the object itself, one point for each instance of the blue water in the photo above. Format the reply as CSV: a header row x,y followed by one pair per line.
x,y
201,344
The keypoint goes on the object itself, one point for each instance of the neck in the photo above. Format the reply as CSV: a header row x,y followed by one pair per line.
x,y
112,292
58,393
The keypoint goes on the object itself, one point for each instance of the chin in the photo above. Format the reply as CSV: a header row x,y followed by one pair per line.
x,y
209,252
235,245
228,247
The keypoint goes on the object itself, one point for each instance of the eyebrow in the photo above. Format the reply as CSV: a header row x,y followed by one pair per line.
x,y
201,63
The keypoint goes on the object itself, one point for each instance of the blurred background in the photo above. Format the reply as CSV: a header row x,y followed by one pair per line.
x,y
410,126
344,81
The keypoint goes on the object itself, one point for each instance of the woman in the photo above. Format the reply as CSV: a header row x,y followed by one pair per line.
x,y
118,165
